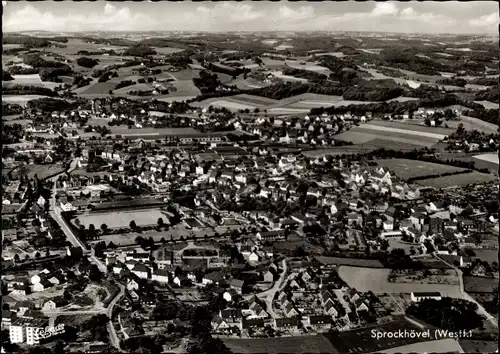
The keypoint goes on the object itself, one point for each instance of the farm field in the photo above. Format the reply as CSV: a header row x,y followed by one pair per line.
x,y
376,280
97,89
479,125
411,168
231,105
457,180
118,219
171,98
413,125
480,284
363,136
420,134
487,255
300,344
184,88
490,157
488,104
21,99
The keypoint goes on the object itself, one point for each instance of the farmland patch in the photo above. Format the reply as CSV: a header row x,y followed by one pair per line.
x,y
407,169
376,280
457,180
490,157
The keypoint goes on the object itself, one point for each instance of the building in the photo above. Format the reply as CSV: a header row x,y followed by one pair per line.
x,y
24,330
420,296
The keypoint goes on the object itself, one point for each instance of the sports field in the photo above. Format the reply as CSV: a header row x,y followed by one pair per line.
x,y
122,219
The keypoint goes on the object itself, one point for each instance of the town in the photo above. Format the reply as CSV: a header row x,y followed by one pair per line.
x,y
181,226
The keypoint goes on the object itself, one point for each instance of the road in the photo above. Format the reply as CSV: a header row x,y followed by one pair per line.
x,y
113,337
74,313
480,309
55,213
269,294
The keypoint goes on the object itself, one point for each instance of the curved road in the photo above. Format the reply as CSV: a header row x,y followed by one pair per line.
x,y
113,337
269,294
480,309
56,215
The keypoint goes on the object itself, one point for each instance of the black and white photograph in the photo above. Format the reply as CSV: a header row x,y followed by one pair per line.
x,y
226,177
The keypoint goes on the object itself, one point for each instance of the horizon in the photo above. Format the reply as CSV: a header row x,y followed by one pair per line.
x,y
479,18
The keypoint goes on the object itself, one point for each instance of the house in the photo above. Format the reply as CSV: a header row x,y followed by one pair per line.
x,y
7,318
319,322
132,285
257,311
479,270
213,278
180,280
290,310
161,275
257,323
285,323
141,271
268,277
237,285
230,295
420,296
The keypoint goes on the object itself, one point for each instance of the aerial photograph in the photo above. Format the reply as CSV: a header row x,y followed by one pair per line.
x,y
250,177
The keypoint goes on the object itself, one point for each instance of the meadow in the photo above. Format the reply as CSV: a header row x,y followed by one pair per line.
x,y
299,344
406,169
457,180
490,157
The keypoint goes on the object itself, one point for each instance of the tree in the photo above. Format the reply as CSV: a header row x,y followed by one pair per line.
x,y
160,222
27,256
104,227
91,228
37,255
133,225
94,273
47,253
16,257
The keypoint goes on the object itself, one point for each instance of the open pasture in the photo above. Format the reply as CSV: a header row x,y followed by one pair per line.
x,y
122,219
376,280
21,99
413,125
406,169
457,180
490,157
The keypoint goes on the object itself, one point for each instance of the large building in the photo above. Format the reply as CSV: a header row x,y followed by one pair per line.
x,y
420,296
24,330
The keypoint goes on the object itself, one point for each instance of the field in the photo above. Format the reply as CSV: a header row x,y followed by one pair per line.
x,y
480,284
119,219
42,171
487,255
457,180
376,280
123,130
436,276
490,157
21,99
488,104
406,169
301,344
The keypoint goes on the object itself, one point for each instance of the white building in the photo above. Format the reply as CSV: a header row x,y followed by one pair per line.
x,y
420,296
23,330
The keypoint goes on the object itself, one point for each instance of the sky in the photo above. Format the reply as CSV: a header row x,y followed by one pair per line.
x,y
477,17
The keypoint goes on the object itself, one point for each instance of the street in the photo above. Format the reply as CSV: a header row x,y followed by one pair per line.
x,y
269,294
55,213
480,309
